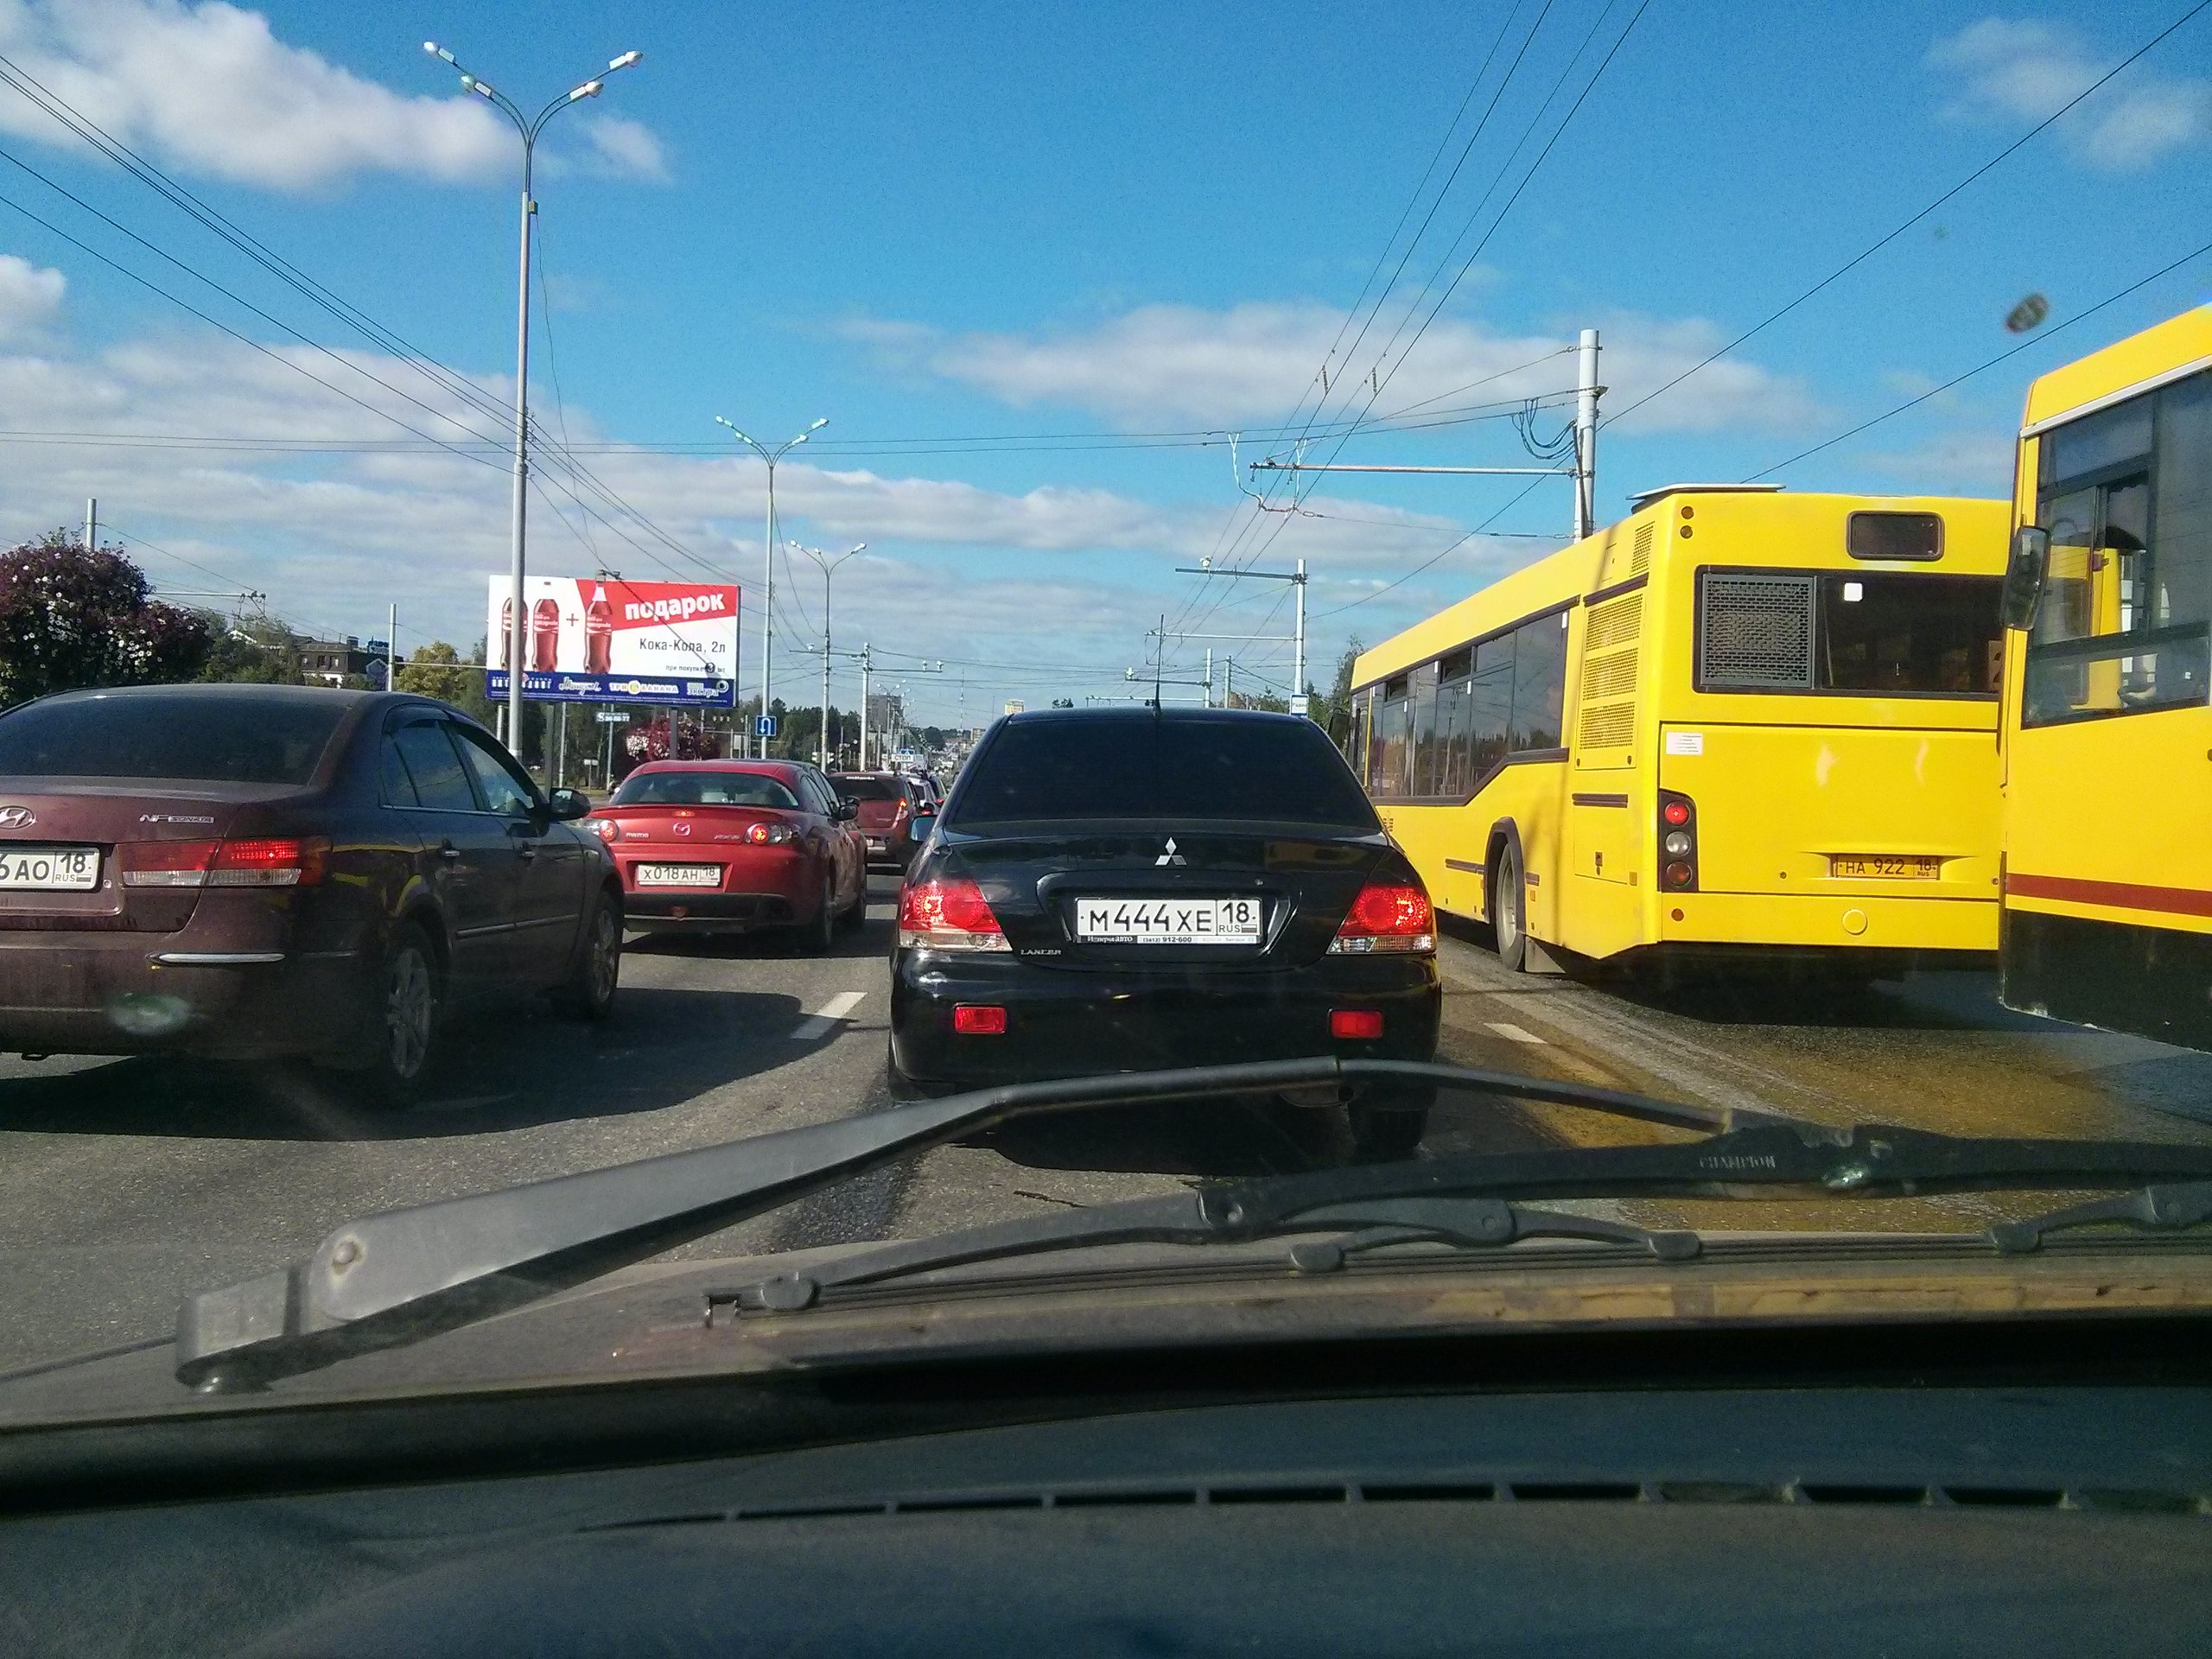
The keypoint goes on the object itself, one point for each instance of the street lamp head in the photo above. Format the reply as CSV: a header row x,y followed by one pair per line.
x,y
819,425
437,51
482,89
589,89
860,547
626,60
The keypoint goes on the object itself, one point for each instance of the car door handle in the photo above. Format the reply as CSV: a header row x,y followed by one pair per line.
x,y
449,850
527,851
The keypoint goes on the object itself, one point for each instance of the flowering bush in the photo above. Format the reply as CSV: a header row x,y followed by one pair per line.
x,y
72,617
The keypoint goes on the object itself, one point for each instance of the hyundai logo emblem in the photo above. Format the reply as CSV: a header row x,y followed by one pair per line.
x,y
16,818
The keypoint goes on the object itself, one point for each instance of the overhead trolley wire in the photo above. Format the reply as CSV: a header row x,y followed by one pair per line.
x,y
1876,246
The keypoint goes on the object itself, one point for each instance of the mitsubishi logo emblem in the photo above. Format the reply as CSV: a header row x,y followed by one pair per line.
x,y
1171,856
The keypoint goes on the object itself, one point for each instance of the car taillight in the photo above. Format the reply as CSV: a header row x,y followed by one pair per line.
x,y
267,861
1677,842
770,835
899,817
1387,916
948,914
605,828
979,1020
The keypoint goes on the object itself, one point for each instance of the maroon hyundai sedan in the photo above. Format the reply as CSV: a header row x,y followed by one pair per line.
x,y
255,871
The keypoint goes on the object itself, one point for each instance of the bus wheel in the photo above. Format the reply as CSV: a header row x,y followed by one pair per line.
x,y
1507,918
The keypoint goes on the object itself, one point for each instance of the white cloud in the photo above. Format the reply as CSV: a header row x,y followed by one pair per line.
x,y
2021,70
1049,575
1257,361
209,88
623,149
30,297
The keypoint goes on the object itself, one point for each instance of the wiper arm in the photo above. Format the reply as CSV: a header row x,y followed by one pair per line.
x,y
395,1277
1188,1218
2154,1209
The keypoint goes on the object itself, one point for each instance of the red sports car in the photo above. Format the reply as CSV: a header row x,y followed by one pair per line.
x,y
729,846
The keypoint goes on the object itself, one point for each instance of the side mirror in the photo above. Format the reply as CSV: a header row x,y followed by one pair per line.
x,y
566,805
848,808
2024,576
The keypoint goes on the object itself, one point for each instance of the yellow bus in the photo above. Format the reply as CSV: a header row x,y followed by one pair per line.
x,y
1739,722
2108,733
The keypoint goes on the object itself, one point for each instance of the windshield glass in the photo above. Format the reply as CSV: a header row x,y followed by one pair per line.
x,y
704,789
944,551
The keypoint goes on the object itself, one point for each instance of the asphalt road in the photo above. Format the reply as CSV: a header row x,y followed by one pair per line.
x,y
126,1185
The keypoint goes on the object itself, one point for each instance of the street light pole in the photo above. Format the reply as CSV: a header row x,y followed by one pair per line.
x,y
768,555
829,565
528,127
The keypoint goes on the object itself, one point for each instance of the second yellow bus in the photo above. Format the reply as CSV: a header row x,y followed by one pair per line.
x,y
1739,722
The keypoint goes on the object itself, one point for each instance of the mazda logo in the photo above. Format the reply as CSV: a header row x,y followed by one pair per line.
x,y
16,818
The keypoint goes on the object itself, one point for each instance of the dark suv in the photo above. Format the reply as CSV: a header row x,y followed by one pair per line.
x,y
894,813
1127,889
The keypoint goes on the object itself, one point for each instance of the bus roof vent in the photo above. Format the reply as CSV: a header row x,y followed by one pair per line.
x,y
1643,498
1755,632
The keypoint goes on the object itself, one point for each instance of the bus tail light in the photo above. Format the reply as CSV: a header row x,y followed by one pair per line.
x,y
948,914
1387,916
1677,842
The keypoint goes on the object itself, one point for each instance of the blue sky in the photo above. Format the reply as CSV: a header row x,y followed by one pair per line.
x,y
1015,221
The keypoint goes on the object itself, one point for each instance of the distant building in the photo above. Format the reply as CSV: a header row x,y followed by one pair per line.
x,y
332,661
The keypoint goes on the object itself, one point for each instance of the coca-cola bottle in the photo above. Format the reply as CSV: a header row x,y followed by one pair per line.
x,y
545,636
506,632
598,634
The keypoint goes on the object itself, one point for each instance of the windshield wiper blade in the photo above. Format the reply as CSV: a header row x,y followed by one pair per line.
x,y
395,1277
1458,1200
1189,1219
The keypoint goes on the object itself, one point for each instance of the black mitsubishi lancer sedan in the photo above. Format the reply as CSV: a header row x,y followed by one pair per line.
x,y
1121,889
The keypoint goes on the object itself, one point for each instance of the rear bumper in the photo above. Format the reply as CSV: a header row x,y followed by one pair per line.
x,y
128,994
1068,1023
761,887
682,912
887,851
1836,921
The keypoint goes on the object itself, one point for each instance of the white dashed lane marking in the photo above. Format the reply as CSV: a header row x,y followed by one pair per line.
x,y
1515,1034
827,1018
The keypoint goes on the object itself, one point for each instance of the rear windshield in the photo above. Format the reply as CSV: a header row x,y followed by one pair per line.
x,y
1227,768
866,788
209,739
703,789
1872,634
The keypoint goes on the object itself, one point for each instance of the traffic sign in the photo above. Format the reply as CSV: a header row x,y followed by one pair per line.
x,y
764,725
1298,705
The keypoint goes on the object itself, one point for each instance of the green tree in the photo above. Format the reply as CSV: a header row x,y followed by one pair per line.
x,y
1333,712
253,650
73,617
437,670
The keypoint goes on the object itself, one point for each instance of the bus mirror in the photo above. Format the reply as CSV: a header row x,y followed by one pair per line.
x,y
2023,575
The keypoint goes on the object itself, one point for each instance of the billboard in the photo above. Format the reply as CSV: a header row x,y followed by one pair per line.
x,y
588,640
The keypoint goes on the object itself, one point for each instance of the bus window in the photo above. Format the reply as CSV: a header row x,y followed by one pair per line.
x,y
1910,635
2122,625
1539,682
1386,752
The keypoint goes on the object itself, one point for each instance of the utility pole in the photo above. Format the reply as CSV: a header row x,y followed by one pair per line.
x,y
827,564
391,648
1298,705
867,667
528,127
1296,577
1585,437
1208,676
768,556
92,524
